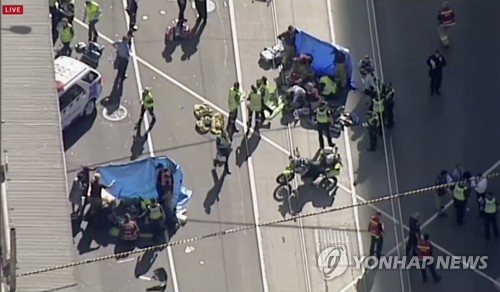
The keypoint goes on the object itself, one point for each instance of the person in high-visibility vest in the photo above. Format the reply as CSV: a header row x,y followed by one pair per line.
x,y
146,105
490,215
328,87
254,107
323,116
223,143
234,100
263,86
373,124
66,34
376,230
156,217
389,95
93,13
425,255
460,194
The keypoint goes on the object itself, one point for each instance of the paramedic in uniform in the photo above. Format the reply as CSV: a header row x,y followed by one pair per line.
x,y
328,87
147,105
223,143
323,125
263,87
234,99
93,13
66,34
376,230
288,38
425,254
254,108
460,194
490,216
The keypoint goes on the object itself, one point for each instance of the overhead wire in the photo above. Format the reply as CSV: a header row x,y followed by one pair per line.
x,y
244,228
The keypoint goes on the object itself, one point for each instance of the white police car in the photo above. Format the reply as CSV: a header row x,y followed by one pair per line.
x,y
78,86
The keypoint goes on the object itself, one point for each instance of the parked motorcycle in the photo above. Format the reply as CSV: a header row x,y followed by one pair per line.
x,y
311,170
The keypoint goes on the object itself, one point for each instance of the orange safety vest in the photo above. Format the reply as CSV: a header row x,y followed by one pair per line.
x,y
424,249
447,16
374,226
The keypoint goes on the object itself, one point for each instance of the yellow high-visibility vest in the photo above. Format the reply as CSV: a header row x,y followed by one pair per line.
x,y
330,87
66,34
234,99
147,100
155,212
378,106
93,11
322,116
255,102
459,193
490,206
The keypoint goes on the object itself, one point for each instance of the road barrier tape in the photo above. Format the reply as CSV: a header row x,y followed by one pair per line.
x,y
244,228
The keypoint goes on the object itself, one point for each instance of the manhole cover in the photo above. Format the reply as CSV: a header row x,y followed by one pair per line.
x,y
117,115
210,5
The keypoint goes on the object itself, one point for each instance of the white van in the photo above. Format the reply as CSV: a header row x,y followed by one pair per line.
x,y
78,86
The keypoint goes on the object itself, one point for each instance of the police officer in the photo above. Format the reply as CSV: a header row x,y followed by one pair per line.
x,y
182,9
93,13
323,115
460,194
156,219
378,108
263,86
328,87
490,215
389,95
132,7
373,125
436,64
376,230
234,100
147,105
223,143
254,107
201,7
425,255
68,10
66,34
413,235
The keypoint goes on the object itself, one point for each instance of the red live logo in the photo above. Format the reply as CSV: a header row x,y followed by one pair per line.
x,y
12,9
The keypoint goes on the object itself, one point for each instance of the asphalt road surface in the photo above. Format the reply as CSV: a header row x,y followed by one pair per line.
x,y
431,133
283,257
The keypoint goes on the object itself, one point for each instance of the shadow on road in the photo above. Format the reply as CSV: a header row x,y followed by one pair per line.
x,y
246,148
75,131
190,47
213,194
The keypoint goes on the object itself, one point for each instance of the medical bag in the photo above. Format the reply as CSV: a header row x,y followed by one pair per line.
x,y
92,54
272,55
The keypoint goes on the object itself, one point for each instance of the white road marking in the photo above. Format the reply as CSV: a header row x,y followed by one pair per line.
x,y
350,169
173,273
125,260
251,174
300,221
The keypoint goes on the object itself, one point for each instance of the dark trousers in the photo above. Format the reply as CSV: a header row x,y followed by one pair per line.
x,y
224,153
324,129
376,246
389,115
151,113
132,13
459,210
55,35
267,109
182,8
436,79
93,31
231,122
372,135
480,199
490,222
431,269
259,118
411,246
201,8
66,49
122,64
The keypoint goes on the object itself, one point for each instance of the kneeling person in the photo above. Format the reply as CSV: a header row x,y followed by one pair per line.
x,y
129,230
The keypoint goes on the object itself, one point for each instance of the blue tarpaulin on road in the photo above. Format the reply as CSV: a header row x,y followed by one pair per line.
x,y
137,179
323,54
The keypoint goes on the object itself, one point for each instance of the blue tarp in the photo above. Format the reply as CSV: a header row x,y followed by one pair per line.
x,y
323,54
137,179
